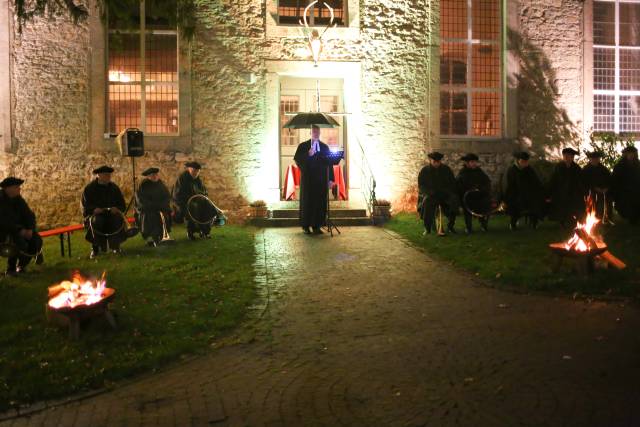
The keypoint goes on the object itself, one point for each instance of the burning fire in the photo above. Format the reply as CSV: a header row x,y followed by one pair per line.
x,y
79,291
584,239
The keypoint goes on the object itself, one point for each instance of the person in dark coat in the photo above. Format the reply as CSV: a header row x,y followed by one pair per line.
x,y
103,209
470,178
567,190
188,185
437,187
626,185
316,176
18,226
524,193
597,181
153,204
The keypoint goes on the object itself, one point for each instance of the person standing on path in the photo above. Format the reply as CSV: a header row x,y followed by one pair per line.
x,y
316,176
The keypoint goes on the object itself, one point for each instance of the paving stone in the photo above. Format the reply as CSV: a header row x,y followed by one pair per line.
x,y
364,330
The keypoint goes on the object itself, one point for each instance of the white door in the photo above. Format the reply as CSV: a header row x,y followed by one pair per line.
x,y
300,95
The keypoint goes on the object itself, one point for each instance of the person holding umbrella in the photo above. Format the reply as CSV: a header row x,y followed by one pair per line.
x,y
315,180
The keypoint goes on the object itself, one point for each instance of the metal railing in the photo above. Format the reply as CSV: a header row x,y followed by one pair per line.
x,y
367,179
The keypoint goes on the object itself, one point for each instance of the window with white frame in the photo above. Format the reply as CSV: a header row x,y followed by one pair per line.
x,y
143,75
290,12
616,66
470,68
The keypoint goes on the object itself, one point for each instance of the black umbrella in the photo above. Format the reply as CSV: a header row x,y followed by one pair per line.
x,y
307,120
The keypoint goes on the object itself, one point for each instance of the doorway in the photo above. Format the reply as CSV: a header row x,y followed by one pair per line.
x,y
300,95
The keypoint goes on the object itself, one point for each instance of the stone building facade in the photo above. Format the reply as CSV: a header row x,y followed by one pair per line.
x,y
387,56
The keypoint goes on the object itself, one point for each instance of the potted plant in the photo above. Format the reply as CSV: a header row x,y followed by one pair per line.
x,y
381,211
258,209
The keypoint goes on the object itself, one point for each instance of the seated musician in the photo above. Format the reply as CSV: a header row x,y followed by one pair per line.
x,y
152,202
626,185
103,209
188,185
18,226
471,178
437,186
524,194
597,179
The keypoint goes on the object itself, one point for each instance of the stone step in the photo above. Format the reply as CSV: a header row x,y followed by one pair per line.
x,y
294,222
335,213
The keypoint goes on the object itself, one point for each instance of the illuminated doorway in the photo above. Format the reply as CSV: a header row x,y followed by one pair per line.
x,y
300,95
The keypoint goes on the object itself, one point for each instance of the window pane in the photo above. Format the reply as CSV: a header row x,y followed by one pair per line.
x,y
153,11
603,112
604,27
291,11
124,82
453,63
289,104
453,113
486,113
629,24
453,19
486,19
629,113
161,64
124,107
604,68
124,58
161,104
485,66
629,69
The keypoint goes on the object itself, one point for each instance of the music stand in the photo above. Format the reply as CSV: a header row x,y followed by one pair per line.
x,y
331,159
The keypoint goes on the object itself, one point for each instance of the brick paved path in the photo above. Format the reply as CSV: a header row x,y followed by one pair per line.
x,y
371,332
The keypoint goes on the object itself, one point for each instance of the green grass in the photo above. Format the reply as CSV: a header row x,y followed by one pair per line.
x,y
522,261
170,301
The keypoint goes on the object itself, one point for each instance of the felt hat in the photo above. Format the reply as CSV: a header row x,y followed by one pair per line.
x,y
10,182
436,156
194,165
469,156
570,150
103,169
522,155
150,171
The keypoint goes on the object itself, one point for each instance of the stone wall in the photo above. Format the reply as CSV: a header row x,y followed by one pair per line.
x,y
397,47
549,48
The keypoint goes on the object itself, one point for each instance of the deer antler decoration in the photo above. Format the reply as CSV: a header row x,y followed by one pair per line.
x,y
315,38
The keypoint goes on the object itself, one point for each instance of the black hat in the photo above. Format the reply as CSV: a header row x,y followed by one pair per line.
x,y
468,157
10,182
630,149
103,169
570,150
150,171
594,154
521,155
436,156
194,165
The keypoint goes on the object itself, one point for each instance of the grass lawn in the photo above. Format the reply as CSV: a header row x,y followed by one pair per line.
x,y
521,260
170,301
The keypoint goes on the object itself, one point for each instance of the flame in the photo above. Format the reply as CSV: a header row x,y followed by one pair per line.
x,y
79,291
586,228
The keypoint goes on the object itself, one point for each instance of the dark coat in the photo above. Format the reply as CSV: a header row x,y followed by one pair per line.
x,y
315,174
436,180
597,176
153,196
524,193
15,215
186,187
96,195
626,188
567,191
472,179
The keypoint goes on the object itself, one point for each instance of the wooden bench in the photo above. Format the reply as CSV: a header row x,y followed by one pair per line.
x,y
67,230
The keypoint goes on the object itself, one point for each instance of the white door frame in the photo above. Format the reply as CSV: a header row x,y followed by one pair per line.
x,y
267,180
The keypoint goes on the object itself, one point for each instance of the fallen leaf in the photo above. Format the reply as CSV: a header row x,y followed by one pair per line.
x,y
567,357
503,305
